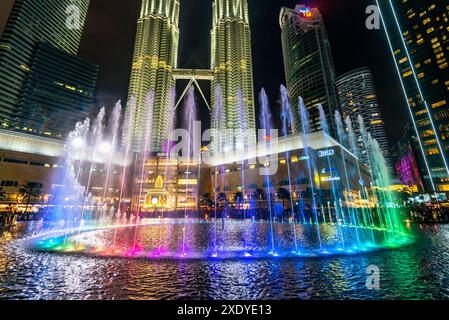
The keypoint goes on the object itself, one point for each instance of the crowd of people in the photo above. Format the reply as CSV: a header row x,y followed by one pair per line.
x,y
12,214
429,213
8,218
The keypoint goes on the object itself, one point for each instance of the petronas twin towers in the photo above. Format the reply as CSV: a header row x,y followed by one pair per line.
x,y
155,59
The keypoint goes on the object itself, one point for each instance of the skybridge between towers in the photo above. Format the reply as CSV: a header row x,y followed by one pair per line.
x,y
193,75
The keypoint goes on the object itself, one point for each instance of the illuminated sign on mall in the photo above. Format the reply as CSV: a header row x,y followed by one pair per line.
x,y
326,153
305,13
327,179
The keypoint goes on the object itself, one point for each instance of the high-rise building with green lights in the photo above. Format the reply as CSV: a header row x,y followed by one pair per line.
x,y
155,58
308,62
418,35
231,64
358,97
33,30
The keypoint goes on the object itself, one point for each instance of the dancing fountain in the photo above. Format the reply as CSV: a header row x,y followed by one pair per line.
x,y
334,204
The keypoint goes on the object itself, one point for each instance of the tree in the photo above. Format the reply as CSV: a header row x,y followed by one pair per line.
x,y
29,191
222,199
260,195
284,195
238,197
406,193
207,200
2,194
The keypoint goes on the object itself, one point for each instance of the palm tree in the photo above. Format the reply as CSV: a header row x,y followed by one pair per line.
x,y
207,200
260,195
284,195
30,190
238,197
2,194
222,199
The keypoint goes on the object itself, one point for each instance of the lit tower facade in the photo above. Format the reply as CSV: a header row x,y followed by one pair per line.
x,y
358,96
44,87
417,32
231,64
308,62
155,58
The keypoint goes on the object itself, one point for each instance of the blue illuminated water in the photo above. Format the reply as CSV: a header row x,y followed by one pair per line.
x,y
417,271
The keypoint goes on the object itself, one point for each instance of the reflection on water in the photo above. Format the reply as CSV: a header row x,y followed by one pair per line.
x,y
173,238
418,271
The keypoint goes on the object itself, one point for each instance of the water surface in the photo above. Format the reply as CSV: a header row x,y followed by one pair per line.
x,y
417,271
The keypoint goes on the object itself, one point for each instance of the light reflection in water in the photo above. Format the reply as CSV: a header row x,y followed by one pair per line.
x,y
419,271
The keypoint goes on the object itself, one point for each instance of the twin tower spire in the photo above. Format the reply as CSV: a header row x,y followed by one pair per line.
x,y
155,63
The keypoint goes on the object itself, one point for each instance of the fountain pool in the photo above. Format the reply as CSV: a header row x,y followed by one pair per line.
x,y
199,239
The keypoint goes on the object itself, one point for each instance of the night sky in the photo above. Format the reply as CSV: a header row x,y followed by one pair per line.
x,y
108,40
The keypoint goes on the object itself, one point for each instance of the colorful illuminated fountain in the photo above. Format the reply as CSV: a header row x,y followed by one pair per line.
x,y
346,210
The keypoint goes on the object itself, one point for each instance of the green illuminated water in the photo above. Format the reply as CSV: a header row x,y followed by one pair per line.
x,y
416,271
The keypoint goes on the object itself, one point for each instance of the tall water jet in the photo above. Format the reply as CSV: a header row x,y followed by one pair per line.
x,y
128,129
305,124
168,148
342,138
171,125
382,182
97,138
287,124
75,144
147,144
217,149
190,112
266,124
338,209
114,126
369,154
144,155
241,147
68,198
352,140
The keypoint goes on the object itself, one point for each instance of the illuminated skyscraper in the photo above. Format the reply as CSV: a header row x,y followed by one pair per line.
x,y
155,58
417,32
30,84
58,92
231,63
358,96
308,62
408,160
